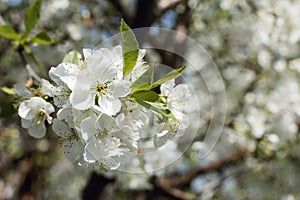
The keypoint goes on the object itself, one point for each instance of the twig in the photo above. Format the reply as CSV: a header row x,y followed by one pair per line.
x,y
174,192
32,73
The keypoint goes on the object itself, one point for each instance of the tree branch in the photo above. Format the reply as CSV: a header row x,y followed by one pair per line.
x,y
168,184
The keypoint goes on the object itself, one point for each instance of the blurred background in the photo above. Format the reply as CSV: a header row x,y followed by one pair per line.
x,y
256,46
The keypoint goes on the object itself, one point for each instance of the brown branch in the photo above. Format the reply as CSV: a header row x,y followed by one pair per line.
x,y
216,165
168,185
174,192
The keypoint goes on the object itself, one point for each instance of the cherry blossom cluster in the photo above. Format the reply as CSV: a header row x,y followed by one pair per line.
x,y
99,114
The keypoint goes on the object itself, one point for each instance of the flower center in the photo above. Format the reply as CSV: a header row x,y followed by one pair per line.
x,y
101,89
41,115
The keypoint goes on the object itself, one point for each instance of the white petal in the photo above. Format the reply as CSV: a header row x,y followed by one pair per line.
x,y
26,123
85,80
121,88
88,129
54,76
109,106
67,73
47,88
72,149
49,108
160,141
120,120
87,53
25,111
22,90
108,74
82,99
38,131
105,121
61,129
167,87
91,152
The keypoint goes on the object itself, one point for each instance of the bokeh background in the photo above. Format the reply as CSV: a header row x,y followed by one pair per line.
x,y
256,46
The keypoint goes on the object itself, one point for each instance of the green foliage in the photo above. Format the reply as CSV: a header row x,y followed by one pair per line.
x,y
144,81
151,100
8,32
130,48
42,38
32,15
7,90
22,40
148,95
171,75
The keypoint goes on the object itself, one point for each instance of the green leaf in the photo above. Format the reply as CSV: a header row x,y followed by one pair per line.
x,y
42,38
7,90
150,96
144,81
130,48
149,101
32,15
161,109
27,49
148,86
7,31
171,75
72,57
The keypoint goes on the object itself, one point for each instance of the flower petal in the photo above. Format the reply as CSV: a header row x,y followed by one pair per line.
x,y
61,129
105,121
91,153
88,129
121,88
82,99
72,149
109,106
38,131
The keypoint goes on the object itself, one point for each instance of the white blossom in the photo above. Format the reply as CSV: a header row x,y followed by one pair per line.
x,y
102,139
98,86
33,113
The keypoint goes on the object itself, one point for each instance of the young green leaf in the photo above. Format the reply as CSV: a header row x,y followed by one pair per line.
x,y
42,38
32,15
161,109
150,100
146,96
7,90
8,32
144,81
130,48
171,75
